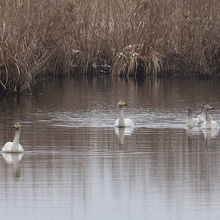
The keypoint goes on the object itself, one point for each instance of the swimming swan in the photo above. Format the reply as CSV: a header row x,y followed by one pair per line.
x,y
209,122
14,147
122,122
202,117
191,121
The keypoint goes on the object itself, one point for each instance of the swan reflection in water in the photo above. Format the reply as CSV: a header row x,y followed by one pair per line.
x,y
122,132
14,160
210,133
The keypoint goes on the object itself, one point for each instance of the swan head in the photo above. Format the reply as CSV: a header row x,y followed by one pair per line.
x,y
207,107
16,126
121,104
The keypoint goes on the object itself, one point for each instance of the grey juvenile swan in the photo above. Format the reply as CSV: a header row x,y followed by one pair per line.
x,y
14,147
209,122
202,117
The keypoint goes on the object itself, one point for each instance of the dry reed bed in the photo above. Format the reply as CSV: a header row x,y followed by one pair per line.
x,y
40,39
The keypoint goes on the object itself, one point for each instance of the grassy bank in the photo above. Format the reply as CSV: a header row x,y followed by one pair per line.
x,y
40,39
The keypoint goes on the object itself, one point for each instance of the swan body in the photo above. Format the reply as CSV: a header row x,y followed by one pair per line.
x,y
14,147
122,122
202,117
199,119
191,122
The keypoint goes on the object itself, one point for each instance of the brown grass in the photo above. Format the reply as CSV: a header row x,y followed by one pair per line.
x,y
134,60
41,39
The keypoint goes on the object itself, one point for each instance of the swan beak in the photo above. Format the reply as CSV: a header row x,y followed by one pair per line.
x,y
125,103
209,107
16,126
122,104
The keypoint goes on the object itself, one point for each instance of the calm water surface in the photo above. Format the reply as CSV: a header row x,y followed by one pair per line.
x,y
76,166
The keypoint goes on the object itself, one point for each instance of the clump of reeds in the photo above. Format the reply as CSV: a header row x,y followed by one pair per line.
x,y
134,60
42,39
27,46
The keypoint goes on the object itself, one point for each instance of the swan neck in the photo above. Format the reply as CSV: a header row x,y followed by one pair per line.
x,y
121,117
208,120
190,120
204,111
189,114
17,137
207,117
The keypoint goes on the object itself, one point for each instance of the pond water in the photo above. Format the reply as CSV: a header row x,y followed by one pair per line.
x,y
77,166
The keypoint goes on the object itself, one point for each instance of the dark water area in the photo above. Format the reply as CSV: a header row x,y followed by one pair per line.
x,y
77,166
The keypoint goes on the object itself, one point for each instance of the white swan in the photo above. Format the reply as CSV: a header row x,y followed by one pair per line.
x,y
202,117
191,122
122,121
209,122
14,147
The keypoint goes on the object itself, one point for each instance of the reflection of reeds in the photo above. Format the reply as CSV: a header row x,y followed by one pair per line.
x,y
39,39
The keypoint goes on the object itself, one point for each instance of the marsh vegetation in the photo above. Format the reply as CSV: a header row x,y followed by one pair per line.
x,y
41,39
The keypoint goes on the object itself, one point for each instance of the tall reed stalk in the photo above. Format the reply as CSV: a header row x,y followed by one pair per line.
x,y
41,39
